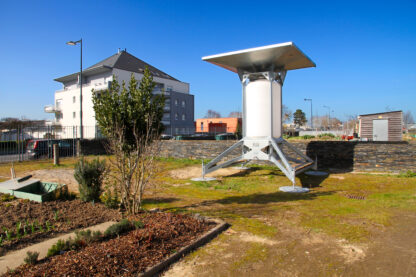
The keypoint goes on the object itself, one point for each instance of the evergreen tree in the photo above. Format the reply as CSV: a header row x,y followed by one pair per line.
x,y
299,117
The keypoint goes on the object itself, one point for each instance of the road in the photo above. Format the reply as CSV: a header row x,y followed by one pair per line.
x,y
13,158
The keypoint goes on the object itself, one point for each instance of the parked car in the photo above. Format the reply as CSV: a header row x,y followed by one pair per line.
x,y
43,148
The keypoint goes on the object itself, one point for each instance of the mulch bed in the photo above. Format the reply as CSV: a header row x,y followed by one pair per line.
x,y
128,255
64,216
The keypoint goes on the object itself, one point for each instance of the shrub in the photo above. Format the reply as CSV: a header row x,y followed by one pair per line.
x,y
58,247
7,197
138,224
407,174
308,137
89,176
118,228
110,199
31,257
87,236
326,135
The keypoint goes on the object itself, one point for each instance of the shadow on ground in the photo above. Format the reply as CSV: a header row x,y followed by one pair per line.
x,y
257,198
271,170
160,200
309,181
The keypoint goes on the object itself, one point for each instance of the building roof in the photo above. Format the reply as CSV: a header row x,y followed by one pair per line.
x,y
121,60
380,113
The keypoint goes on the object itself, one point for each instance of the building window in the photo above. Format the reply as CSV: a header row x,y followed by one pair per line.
x,y
74,114
183,117
176,130
73,99
176,116
183,103
202,126
176,102
169,88
58,103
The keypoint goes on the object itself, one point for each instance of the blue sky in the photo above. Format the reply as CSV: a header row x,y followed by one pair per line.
x,y
365,51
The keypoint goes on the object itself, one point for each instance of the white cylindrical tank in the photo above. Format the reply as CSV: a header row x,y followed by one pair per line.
x,y
262,118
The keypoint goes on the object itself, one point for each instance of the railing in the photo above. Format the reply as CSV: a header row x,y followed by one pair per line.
x,y
93,86
52,109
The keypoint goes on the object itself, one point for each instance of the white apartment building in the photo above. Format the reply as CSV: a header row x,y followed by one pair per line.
x,y
179,105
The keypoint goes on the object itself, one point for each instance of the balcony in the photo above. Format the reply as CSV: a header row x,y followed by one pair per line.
x,y
52,109
159,92
96,87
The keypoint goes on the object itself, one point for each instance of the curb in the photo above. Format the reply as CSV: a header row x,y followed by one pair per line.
x,y
152,271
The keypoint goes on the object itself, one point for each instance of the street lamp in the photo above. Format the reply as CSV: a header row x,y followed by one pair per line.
x,y
307,99
80,86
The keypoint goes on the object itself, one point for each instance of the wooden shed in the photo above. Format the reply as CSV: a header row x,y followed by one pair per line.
x,y
386,126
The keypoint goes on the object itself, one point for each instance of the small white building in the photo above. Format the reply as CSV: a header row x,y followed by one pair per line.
x,y
179,106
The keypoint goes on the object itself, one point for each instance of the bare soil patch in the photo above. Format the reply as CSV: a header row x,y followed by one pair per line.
x,y
196,171
128,255
38,221
60,176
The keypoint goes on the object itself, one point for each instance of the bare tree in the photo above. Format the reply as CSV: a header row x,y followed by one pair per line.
x,y
236,114
350,125
14,123
408,118
286,114
212,114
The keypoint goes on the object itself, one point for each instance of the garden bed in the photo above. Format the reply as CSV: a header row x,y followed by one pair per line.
x,y
127,255
23,222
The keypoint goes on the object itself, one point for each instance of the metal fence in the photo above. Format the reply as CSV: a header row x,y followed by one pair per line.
x,y
37,142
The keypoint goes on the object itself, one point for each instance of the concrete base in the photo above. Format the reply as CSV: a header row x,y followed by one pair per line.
x,y
293,189
206,179
240,167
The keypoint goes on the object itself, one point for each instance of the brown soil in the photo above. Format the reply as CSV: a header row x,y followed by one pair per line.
x,y
62,215
196,171
60,176
128,255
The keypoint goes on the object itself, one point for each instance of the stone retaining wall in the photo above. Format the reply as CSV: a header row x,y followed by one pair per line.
x,y
342,155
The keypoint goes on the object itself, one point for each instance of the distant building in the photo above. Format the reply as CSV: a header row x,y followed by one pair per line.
x,y
178,114
218,125
387,126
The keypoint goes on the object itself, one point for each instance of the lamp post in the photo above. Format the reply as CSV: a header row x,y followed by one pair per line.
x,y
80,86
308,99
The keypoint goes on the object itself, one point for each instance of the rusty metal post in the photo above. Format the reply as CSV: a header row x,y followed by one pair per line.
x,y
78,148
56,154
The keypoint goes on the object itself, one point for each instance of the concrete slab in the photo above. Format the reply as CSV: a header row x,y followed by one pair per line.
x,y
13,259
16,184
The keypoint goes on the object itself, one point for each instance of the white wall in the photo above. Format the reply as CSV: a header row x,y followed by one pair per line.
x,y
97,82
68,107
